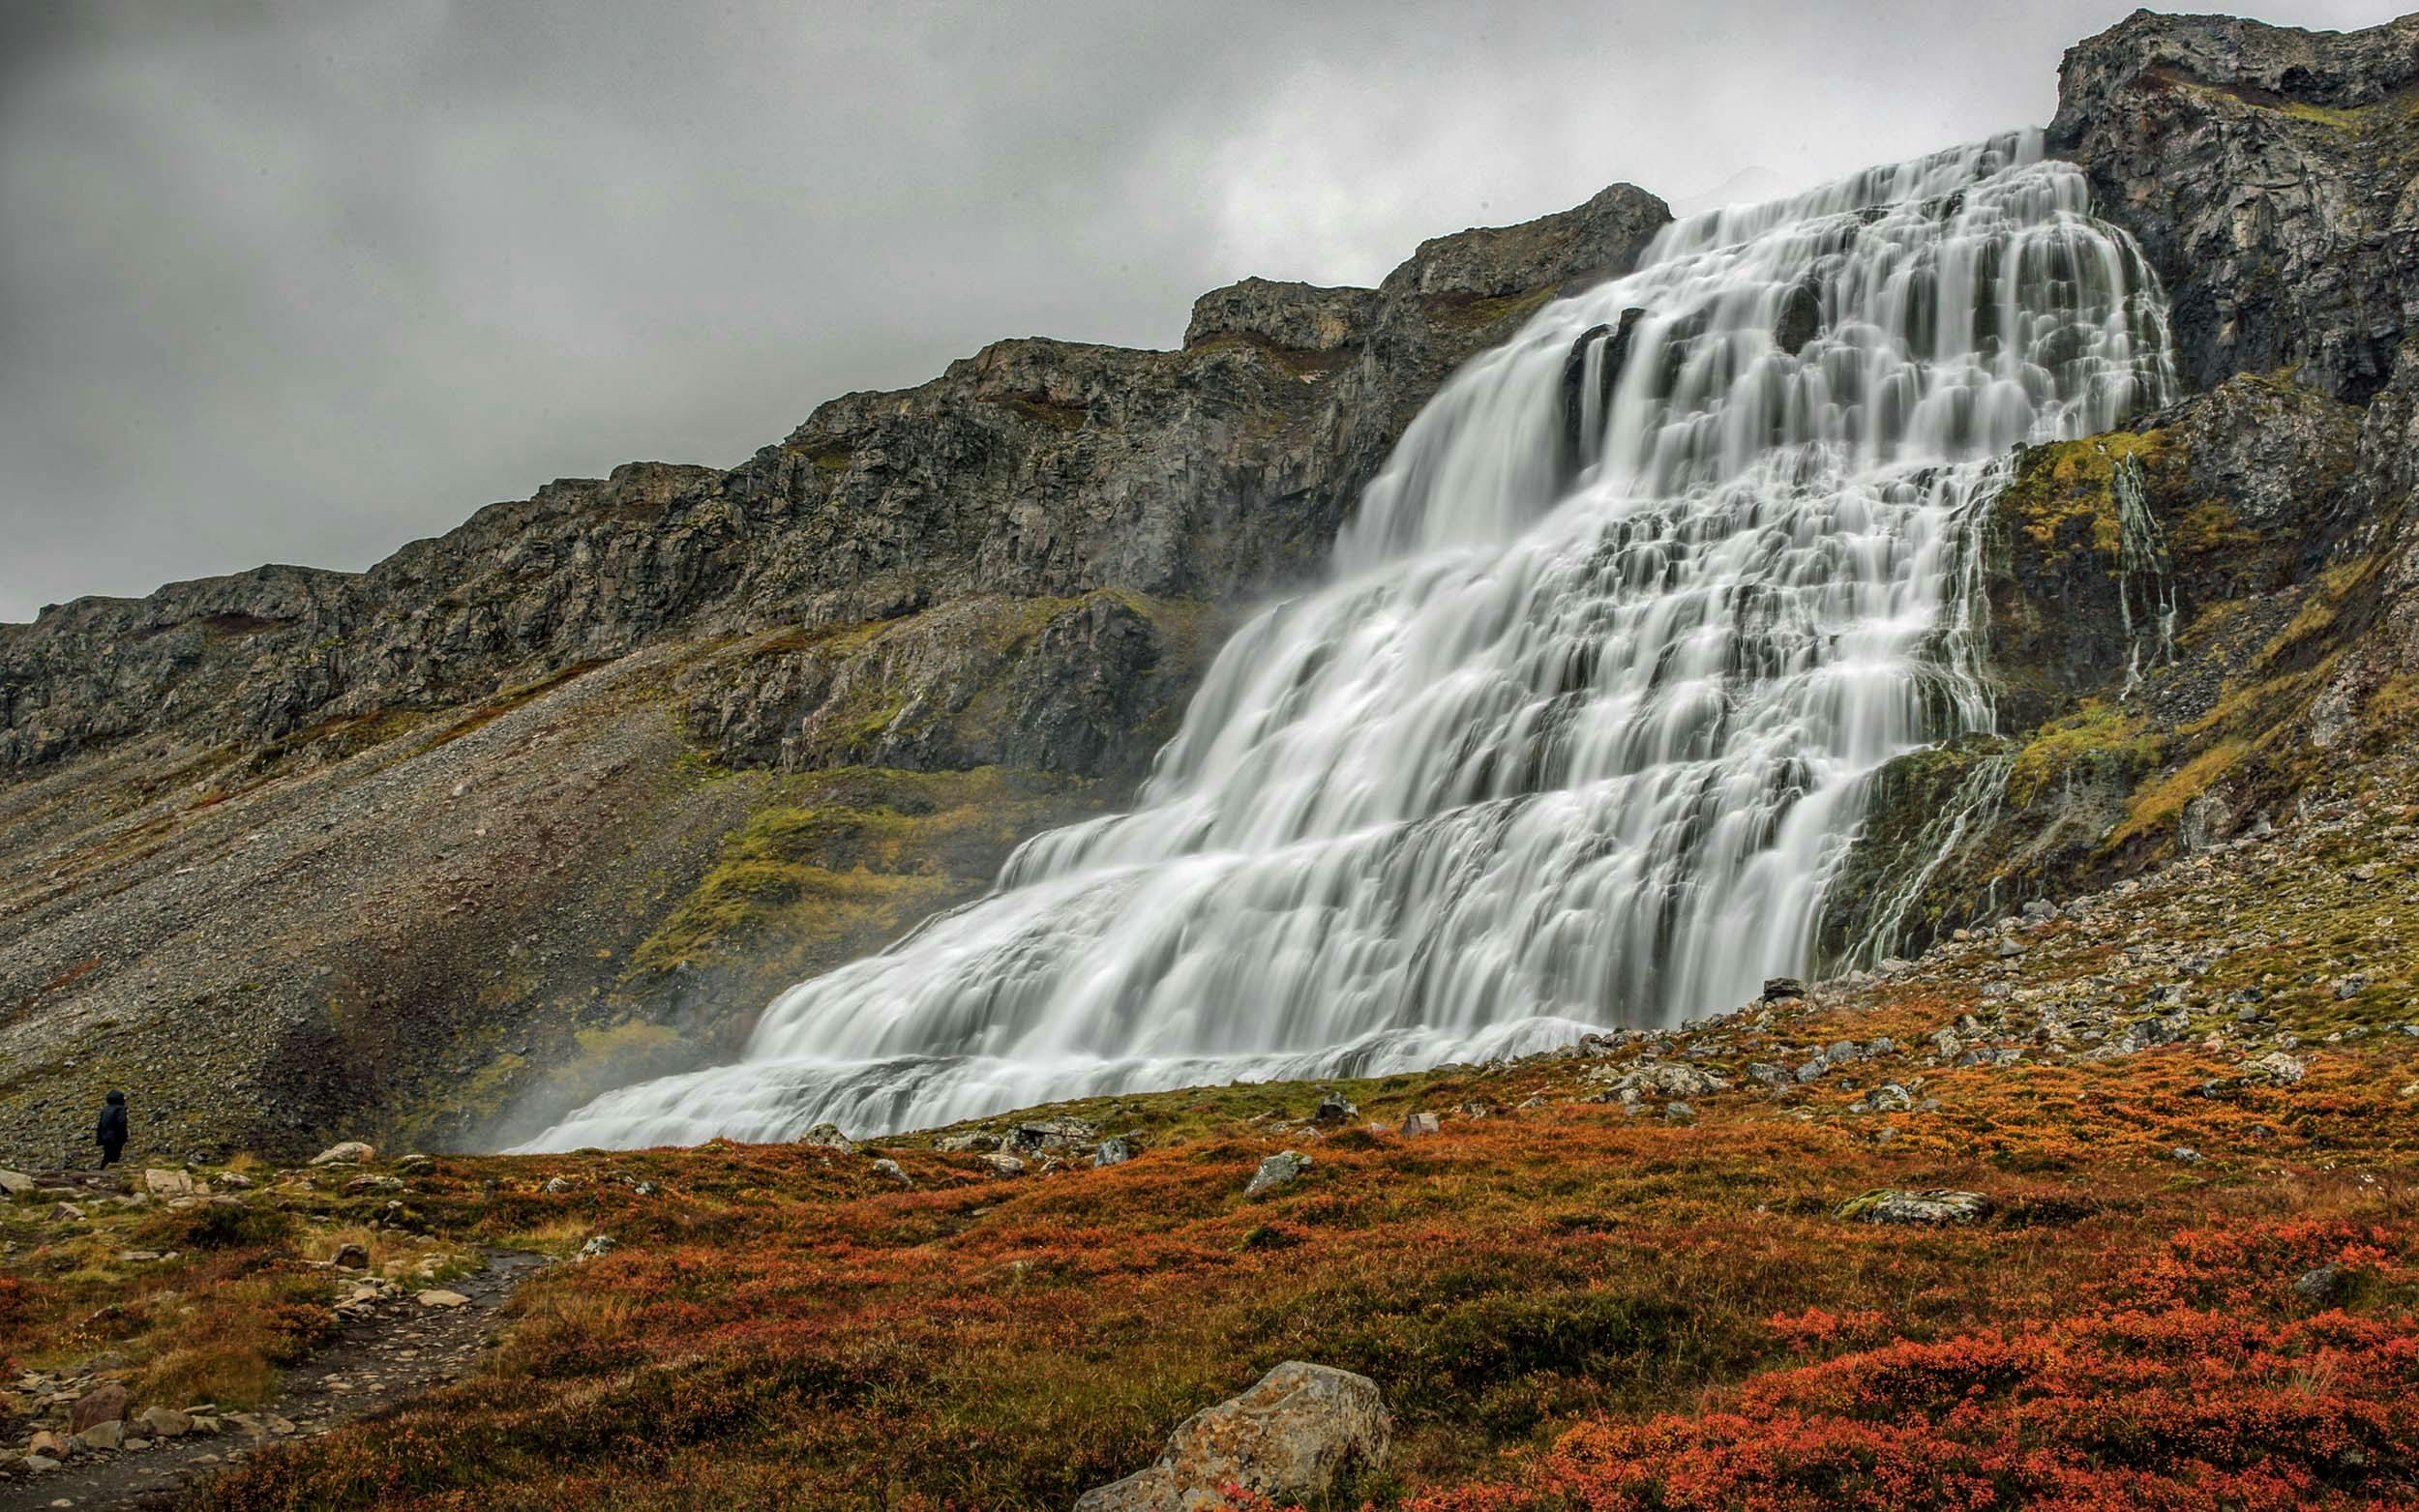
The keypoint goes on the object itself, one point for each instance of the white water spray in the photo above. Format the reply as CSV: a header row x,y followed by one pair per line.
x,y
1582,727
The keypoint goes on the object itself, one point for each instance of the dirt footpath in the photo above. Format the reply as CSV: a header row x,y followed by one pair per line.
x,y
388,1354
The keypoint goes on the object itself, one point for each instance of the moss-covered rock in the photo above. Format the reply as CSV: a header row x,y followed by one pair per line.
x,y
2164,605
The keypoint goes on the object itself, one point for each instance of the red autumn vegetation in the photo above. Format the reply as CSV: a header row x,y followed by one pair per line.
x,y
1569,1305
1642,1314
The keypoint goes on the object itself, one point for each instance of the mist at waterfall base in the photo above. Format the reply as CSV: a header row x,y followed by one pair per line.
x,y
1582,725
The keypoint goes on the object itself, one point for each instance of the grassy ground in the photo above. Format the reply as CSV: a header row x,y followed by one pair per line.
x,y
1569,1302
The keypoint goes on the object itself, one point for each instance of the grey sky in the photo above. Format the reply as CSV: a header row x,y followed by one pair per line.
x,y
300,281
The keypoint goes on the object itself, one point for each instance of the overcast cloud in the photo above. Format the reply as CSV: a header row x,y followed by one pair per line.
x,y
298,283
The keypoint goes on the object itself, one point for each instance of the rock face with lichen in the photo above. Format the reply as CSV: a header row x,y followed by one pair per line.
x,y
563,797
2168,701
2267,174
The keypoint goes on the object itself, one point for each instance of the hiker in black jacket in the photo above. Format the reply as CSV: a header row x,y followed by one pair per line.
x,y
111,1131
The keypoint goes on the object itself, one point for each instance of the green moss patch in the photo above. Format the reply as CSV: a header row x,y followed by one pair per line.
x,y
2064,491
853,859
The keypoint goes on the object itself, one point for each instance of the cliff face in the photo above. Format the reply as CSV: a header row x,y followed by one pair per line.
x,y
1034,468
2260,637
580,783
2267,174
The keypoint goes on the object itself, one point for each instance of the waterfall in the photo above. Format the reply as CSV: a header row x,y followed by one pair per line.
x,y
1581,725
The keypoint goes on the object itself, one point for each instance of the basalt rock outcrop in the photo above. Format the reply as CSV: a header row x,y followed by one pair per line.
x,y
580,783
2267,174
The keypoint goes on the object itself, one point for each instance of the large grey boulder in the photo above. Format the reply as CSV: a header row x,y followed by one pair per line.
x,y
1289,1436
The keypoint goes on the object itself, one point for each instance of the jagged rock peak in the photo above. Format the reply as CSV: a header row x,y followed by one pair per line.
x,y
2335,69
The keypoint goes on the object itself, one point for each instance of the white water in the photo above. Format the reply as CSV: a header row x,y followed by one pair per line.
x,y
1581,728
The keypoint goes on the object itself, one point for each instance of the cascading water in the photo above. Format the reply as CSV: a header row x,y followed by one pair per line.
x,y
1582,726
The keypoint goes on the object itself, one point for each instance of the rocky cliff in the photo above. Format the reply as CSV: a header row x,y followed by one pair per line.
x,y
2195,621
581,783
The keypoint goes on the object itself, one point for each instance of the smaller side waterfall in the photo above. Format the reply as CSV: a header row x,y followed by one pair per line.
x,y
1974,807
1583,726
2145,580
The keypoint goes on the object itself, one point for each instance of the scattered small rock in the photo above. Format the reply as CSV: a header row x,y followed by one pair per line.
x,y
2328,1286
163,1422
2279,1067
1049,1136
827,1135
103,1437
1890,1098
442,1300
168,1183
1417,1124
351,1152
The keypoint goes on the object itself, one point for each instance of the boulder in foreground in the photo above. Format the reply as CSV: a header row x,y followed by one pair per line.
x,y
1289,1436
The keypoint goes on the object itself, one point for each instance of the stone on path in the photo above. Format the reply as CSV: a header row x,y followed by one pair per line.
x,y
103,1403
103,1437
166,1422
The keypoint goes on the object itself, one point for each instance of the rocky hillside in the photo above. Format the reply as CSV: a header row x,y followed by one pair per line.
x,y
2093,1191
2194,619
583,782
2105,1206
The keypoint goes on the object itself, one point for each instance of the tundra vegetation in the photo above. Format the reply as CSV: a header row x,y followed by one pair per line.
x,y
1637,1275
